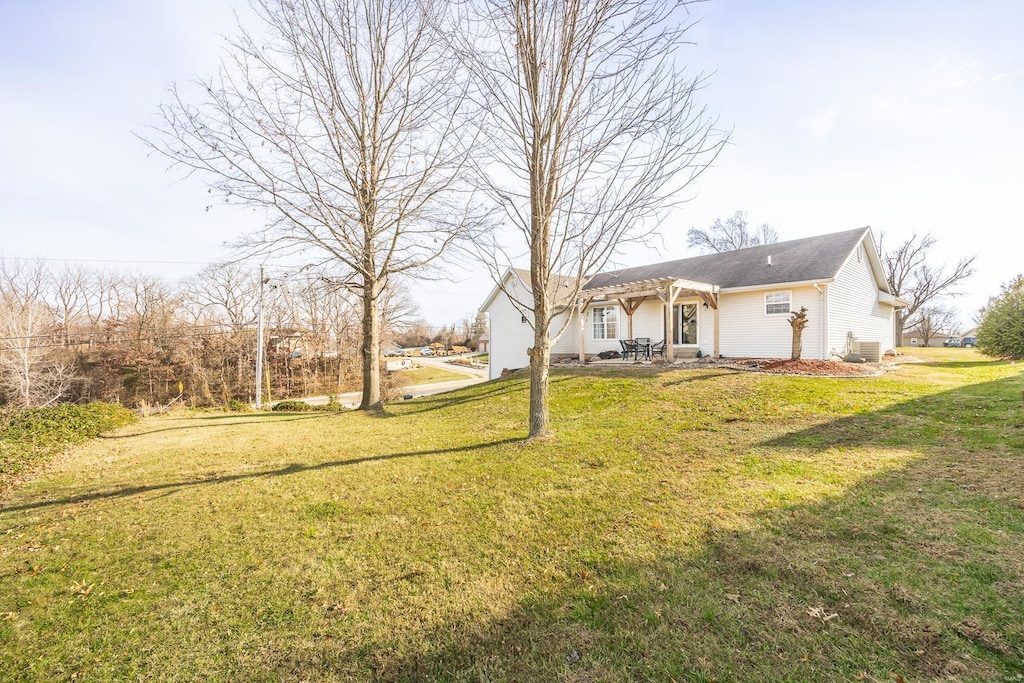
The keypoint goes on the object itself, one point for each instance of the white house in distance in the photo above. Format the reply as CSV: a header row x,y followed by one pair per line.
x,y
732,304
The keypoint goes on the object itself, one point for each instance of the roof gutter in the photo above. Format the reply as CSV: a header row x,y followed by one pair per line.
x,y
778,285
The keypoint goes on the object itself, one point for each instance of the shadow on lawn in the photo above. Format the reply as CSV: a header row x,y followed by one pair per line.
x,y
879,581
294,468
465,396
962,363
240,422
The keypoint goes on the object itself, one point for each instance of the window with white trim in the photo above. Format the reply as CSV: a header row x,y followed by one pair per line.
x,y
777,303
605,321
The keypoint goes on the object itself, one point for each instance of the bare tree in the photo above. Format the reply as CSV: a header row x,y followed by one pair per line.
x,y
914,279
734,233
224,293
932,320
69,293
589,130
31,371
343,123
104,291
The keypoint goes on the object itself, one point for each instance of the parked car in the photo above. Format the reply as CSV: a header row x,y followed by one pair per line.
x,y
426,351
969,342
951,342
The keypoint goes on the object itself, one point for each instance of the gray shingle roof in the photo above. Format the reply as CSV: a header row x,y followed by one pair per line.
x,y
802,260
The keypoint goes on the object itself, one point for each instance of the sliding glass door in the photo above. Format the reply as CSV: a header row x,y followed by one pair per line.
x,y
684,324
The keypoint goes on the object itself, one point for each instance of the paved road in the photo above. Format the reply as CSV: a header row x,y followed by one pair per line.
x,y
473,376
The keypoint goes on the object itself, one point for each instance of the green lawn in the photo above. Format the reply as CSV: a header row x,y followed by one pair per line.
x,y
682,525
428,374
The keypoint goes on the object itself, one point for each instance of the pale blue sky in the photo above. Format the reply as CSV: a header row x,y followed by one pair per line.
x,y
897,115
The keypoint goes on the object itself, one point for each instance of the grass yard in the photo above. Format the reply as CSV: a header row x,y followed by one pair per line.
x,y
428,374
689,525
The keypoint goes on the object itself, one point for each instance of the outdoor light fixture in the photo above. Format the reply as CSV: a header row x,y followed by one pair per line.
x,y
705,305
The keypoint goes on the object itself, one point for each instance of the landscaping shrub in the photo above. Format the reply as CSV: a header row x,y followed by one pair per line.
x,y
303,407
1001,332
28,436
236,406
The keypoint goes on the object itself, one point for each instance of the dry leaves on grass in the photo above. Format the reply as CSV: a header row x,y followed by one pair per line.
x,y
82,589
820,613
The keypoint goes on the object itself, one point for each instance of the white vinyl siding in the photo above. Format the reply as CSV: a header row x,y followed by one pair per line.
x,y
745,331
854,312
510,337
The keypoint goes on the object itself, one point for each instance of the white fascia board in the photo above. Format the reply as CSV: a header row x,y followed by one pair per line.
x,y
778,285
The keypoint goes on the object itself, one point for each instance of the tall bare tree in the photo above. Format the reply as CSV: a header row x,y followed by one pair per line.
x,y
913,277
590,129
31,371
734,233
342,121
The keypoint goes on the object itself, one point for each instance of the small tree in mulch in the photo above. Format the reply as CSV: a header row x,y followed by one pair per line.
x,y
798,321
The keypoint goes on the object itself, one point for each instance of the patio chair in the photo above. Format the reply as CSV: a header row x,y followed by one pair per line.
x,y
628,347
643,345
658,349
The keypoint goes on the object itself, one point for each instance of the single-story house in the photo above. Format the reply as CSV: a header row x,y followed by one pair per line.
x,y
730,304
915,338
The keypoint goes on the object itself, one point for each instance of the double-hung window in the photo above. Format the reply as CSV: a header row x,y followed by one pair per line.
x,y
777,303
606,322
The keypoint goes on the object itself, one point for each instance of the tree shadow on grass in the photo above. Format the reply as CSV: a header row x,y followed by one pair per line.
x,y
464,397
292,468
239,422
907,573
703,376
963,364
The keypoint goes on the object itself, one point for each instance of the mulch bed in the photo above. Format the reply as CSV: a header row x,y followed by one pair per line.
x,y
781,366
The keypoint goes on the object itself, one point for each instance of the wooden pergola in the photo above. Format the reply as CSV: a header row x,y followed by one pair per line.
x,y
630,295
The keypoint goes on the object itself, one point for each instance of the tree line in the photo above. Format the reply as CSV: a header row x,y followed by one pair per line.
x,y
75,334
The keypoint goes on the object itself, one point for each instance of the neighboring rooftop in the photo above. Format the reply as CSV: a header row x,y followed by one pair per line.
x,y
802,260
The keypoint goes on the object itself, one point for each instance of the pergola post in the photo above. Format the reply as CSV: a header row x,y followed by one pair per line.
x,y
711,299
717,316
582,307
670,304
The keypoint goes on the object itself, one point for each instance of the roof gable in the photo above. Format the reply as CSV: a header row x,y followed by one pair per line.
x,y
803,260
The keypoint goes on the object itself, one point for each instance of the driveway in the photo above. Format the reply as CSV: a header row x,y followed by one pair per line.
x,y
473,376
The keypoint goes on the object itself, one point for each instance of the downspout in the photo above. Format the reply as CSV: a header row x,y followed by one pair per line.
x,y
823,323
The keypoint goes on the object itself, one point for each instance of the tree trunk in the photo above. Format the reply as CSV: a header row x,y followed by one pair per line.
x,y
798,320
540,364
370,348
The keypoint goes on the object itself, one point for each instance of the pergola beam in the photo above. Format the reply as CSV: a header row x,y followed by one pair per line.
x,y
630,306
645,288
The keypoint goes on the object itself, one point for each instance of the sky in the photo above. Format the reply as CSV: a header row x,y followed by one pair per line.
x,y
903,116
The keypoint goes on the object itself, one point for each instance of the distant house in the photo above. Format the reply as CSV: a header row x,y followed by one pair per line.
x,y
731,304
482,342
916,338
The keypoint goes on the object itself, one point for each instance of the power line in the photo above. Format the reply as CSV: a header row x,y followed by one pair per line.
x,y
108,260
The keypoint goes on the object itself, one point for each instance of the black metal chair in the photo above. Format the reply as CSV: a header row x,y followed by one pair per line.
x,y
628,347
658,349
643,345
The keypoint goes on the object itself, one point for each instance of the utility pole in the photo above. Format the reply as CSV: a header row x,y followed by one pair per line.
x,y
259,345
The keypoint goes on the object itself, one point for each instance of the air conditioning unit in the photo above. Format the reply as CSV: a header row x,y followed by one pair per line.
x,y
871,351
